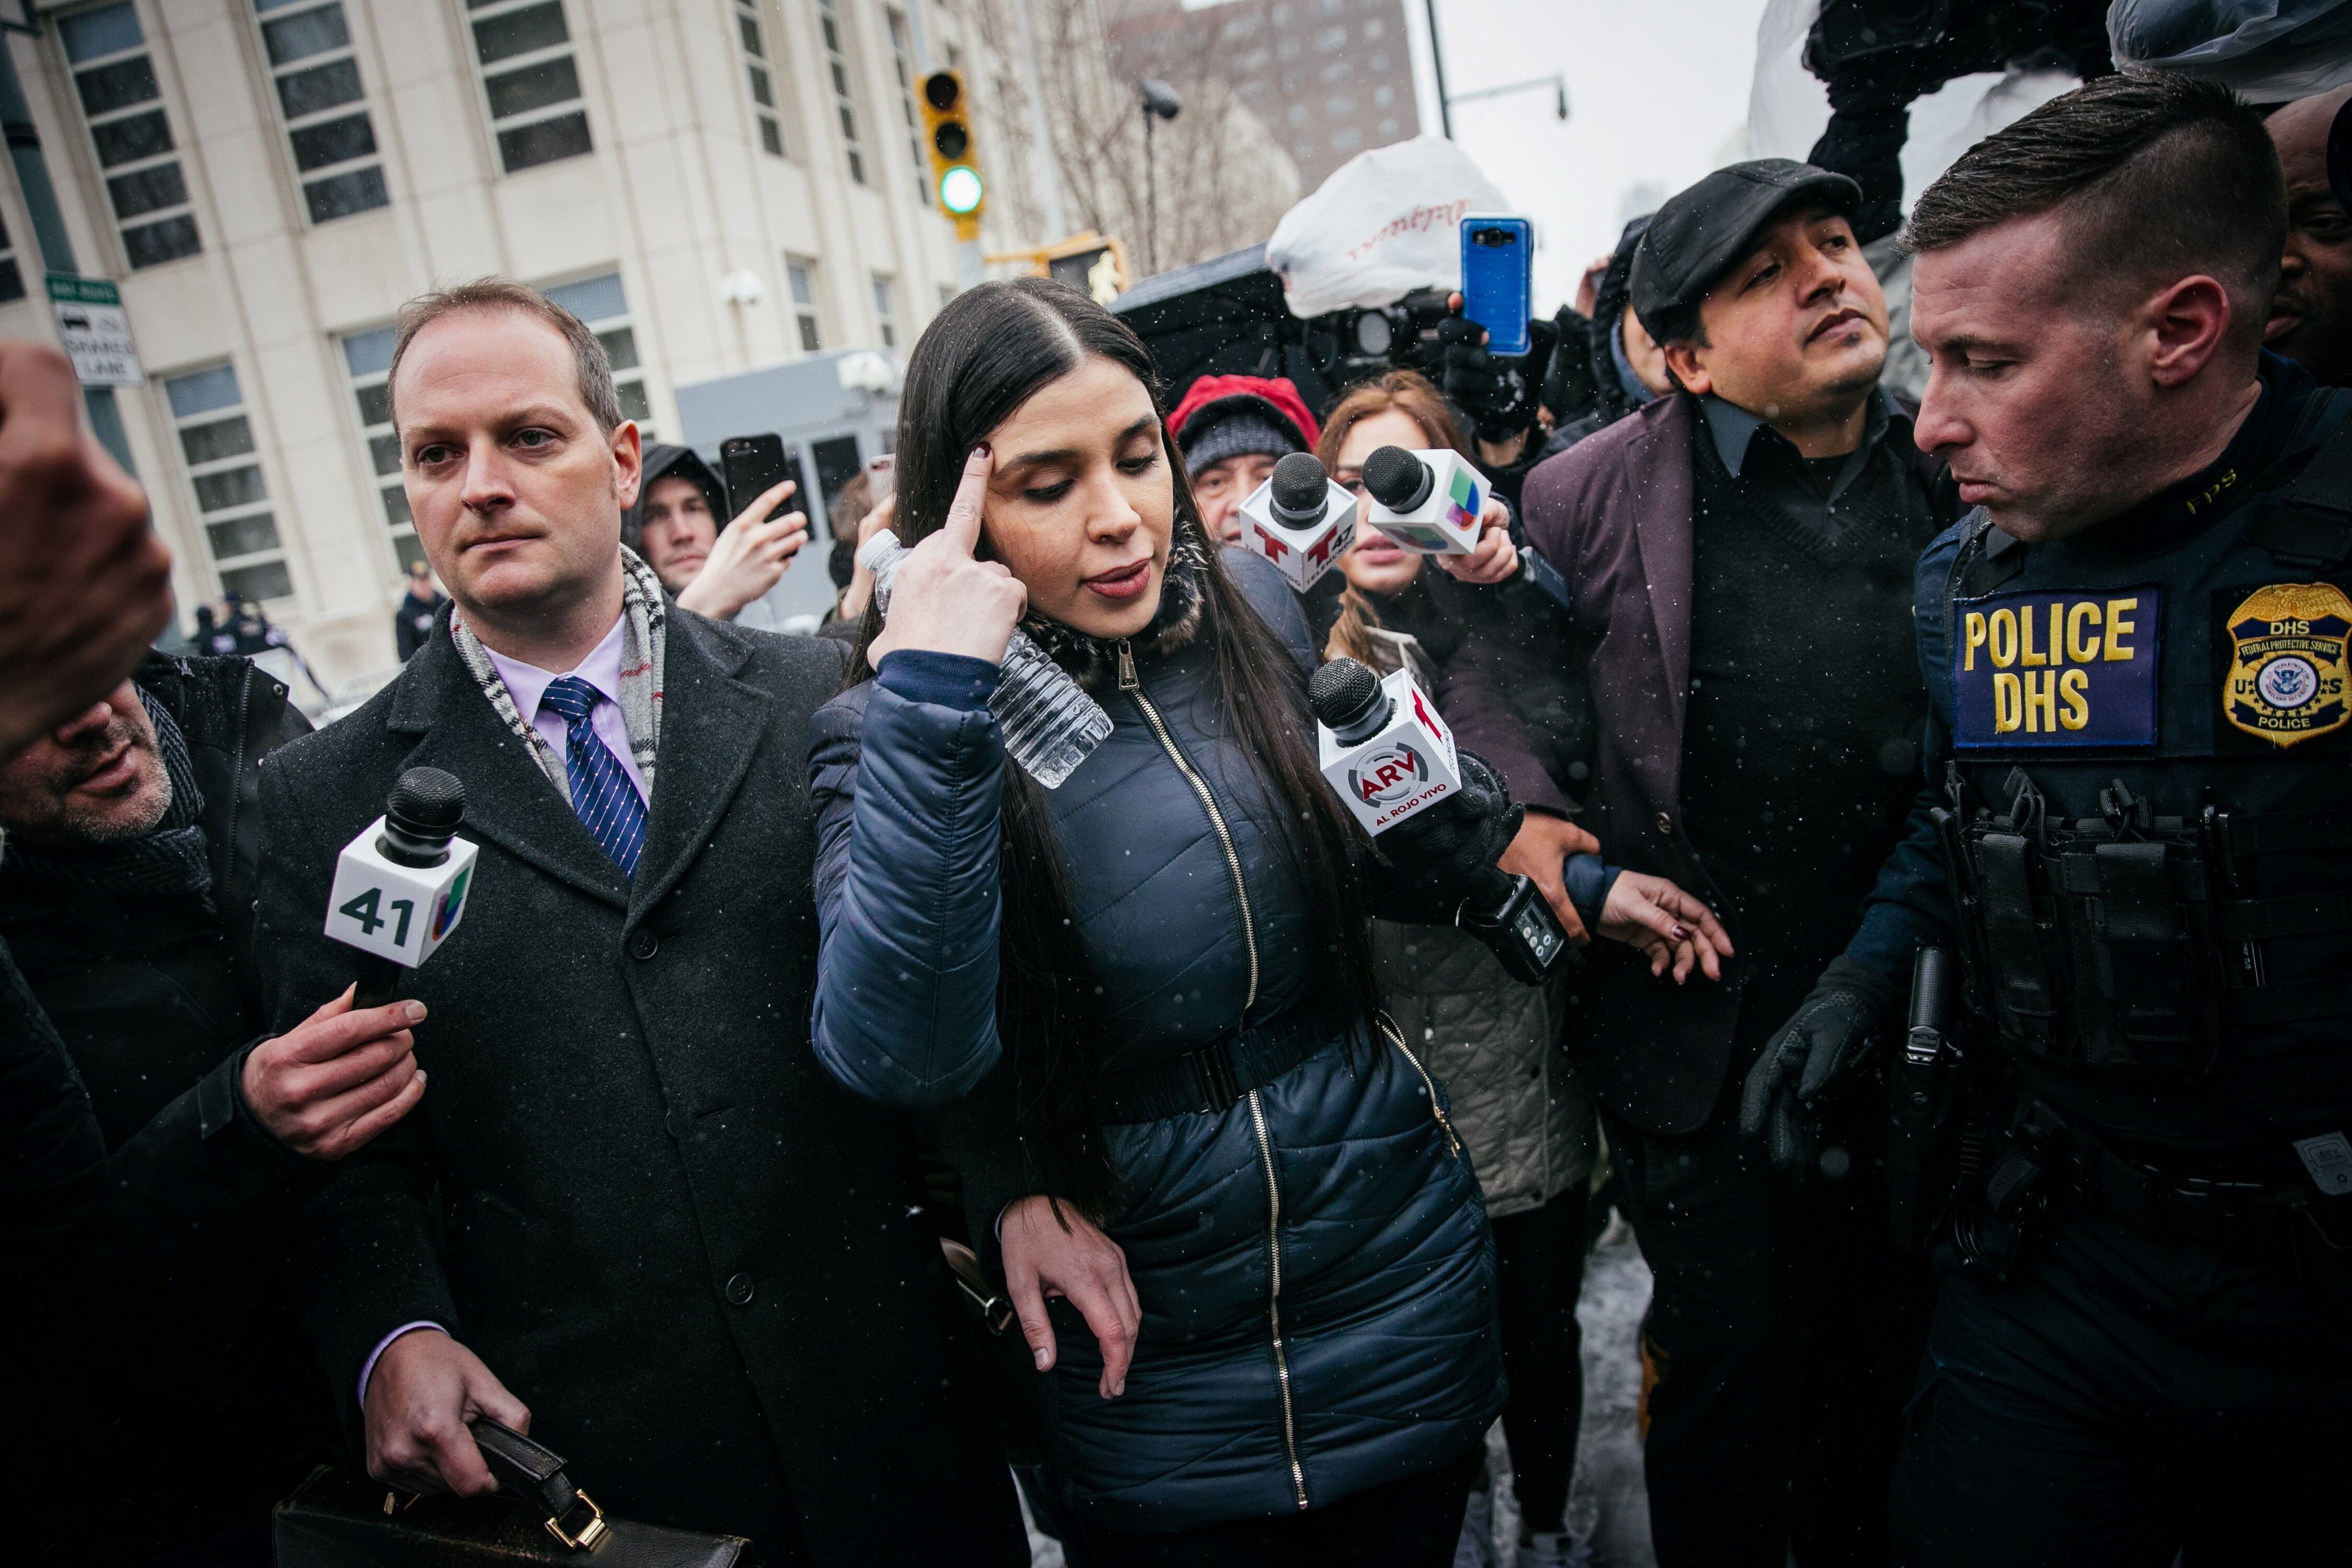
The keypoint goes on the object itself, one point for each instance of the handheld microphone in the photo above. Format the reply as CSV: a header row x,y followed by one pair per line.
x,y
400,887
1299,520
1381,743
1385,750
1428,502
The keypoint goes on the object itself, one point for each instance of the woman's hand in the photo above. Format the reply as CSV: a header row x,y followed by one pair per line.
x,y
1495,557
1049,1254
945,601
750,555
1672,927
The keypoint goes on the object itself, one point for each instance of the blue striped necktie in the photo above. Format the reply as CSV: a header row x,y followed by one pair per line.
x,y
602,794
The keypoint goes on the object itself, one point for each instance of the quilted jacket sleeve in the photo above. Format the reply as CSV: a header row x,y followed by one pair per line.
x,y
908,777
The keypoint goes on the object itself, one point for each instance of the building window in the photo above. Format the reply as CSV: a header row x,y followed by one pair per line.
x,y
885,315
1332,39
800,277
529,80
902,57
1344,137
763,83
124,104
604,305
837,63
12,281
368,357
327,125
216,438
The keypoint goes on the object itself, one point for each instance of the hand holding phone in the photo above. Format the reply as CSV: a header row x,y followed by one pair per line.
x,y
753,549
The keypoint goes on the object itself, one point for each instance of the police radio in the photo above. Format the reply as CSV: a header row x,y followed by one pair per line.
x,y
1382,746
1300,521
1427,502
400,887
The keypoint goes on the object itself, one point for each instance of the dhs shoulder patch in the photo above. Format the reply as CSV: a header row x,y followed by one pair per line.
x,y
2047,671
2286,674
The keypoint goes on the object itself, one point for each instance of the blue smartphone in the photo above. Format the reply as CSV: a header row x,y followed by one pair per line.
x,y
1497,259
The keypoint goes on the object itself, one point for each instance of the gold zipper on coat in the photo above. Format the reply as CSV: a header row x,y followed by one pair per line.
x,y
1129,683
1274,1298
1396,1037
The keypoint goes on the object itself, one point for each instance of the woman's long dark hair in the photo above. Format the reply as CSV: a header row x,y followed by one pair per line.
x,y
984,355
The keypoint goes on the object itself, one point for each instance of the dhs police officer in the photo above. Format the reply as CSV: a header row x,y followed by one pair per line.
x,y
2136,647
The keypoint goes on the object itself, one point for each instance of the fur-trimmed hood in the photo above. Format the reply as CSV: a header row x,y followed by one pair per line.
x,y
1092,661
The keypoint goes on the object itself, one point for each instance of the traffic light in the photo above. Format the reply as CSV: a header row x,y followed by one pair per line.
x,y
955,166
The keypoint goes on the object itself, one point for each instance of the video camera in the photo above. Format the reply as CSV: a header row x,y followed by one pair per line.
x,y
1357,345
1228,317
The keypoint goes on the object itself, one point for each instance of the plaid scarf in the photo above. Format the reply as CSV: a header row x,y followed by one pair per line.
x,y
169,858
644,614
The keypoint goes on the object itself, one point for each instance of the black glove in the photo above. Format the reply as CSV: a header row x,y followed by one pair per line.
x,y
1851,1008
1497,394
1447,853
1568,386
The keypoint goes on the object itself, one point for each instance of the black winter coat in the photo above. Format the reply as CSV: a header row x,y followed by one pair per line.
x,y
1313,1262
630,1188
155,1388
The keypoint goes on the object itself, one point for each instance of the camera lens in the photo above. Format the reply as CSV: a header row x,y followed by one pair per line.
x,y
1373,333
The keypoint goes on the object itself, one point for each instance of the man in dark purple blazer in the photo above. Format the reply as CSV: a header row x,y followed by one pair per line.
x,y
1739,555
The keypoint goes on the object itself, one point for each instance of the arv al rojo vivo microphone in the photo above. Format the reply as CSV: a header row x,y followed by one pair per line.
x,y
1384,748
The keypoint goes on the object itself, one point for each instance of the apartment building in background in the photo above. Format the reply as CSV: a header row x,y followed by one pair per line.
x,y
1329,77
268,180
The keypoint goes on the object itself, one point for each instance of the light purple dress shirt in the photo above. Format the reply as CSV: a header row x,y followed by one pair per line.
x,y
527,683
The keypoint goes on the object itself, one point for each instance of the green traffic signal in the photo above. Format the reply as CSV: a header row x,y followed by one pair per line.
x,y
959,189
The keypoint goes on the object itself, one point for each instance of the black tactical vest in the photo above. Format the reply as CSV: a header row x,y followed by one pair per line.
x,y
2151,798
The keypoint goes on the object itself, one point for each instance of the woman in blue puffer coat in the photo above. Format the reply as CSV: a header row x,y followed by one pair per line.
x,y
1139,1009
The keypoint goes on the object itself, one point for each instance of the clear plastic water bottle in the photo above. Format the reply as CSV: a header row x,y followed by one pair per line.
x,y
1050,724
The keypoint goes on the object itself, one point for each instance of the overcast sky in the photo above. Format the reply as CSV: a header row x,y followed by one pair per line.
x,y
1655,89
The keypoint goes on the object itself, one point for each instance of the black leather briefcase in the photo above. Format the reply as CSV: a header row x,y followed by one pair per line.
x,y
340,1519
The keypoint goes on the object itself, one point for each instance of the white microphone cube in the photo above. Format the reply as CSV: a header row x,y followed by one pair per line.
x,y
1446,521
1409,764
396,911
1301,554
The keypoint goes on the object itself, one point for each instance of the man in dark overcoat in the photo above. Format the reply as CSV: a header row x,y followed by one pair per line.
x,y
634,1212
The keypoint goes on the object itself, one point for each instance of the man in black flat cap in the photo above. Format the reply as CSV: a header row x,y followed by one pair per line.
x,y
1740,556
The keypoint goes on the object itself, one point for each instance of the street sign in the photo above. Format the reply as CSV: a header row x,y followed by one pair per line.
x,y
94,332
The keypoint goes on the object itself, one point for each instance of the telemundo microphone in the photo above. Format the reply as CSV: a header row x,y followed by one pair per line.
x,y
1428,502
1300,521
1382,746
400,887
